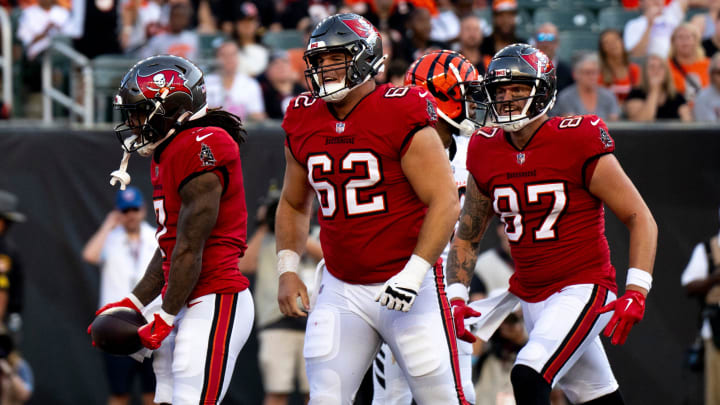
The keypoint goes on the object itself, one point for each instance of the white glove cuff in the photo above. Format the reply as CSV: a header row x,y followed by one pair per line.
x,y
288,260
640,278
136,301
417,267
169,319
458,290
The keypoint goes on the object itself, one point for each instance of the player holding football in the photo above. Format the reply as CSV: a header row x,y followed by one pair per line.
x,y
447,75
547,180
387,208
199,199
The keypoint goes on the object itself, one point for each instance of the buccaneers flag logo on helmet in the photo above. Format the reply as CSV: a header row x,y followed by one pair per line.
x,y
170,80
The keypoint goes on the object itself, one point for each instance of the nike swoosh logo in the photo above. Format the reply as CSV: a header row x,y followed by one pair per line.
x,y
200,138
190,304
423,93
628,304
595,122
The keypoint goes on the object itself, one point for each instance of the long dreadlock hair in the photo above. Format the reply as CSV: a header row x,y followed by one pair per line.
x,y
215,117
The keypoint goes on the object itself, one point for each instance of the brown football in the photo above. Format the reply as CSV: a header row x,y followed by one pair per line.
x,y
115,331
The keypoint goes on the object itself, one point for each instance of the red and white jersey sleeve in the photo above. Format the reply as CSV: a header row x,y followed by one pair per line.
x,y
555,226
191,153
369,214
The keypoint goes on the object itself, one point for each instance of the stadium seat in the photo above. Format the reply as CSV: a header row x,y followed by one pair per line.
x,y
108,70
532,4
615,18
286,39
572,42
208,43
594,5
575,19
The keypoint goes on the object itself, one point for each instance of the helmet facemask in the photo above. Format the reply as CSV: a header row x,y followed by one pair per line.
x,y
349,69
500,112
465,122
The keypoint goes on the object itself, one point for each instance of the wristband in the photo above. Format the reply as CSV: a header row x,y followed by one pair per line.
x,y
640,278
418,266
169,319
136,301
288,261
457,290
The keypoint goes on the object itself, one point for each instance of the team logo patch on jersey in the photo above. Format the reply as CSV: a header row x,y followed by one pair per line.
x,y
605,138
340,127
520,158
206,156
168,79
431,111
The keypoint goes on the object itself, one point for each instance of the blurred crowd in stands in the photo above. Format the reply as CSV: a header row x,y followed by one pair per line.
x,y
640,60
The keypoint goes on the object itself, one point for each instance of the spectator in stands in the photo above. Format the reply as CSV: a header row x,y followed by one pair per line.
x,y
385,15
707,103
140,21
617,73
471,39
546,39
123,247
396,72
701,279
586,96
279,85
707,21
656,97
280,337
387,43
688,64
417,42
94,27
253,56
446,24
16,376
38,24
233,90
650,33
11,265
712,43
178,40
504,13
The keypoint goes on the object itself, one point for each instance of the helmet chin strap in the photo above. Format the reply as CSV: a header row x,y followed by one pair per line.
x,y
465,127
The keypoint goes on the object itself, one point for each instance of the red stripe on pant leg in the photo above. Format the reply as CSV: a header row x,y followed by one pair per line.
x,y
576,336
213,384
446,314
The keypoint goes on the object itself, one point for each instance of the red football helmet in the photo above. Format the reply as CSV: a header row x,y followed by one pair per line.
x,y
447,75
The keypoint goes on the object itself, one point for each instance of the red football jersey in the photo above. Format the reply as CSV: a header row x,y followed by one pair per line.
x,y
555,226
369,215
191,153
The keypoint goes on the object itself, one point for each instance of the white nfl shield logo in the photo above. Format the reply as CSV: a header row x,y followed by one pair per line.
x,y
340,127
520,158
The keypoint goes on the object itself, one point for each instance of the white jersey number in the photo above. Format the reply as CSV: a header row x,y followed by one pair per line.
x,y
159,206
327,191
512,216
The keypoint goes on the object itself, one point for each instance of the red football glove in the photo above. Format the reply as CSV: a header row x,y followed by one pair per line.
x,y
460,311
125,302
153,333
629,310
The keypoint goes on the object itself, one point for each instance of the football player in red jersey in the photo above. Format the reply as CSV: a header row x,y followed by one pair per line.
x,y
547,180
388,204
199,200
447,75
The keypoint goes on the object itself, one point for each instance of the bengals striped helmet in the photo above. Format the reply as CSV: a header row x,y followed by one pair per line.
x,y
448,76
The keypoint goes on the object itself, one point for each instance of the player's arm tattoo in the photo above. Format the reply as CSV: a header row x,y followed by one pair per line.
x,y
198,214
151,284
474,219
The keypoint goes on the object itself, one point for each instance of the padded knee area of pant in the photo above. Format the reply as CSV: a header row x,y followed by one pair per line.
x,y
319,336
529,387
418,351
326,388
